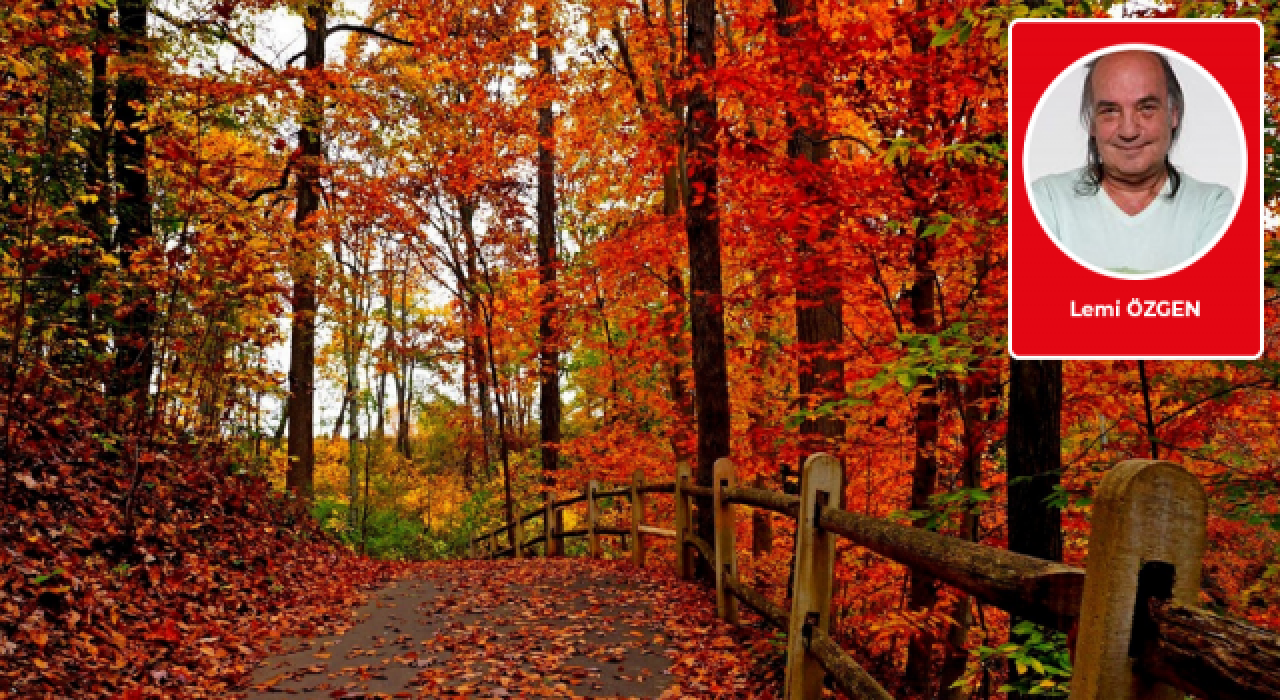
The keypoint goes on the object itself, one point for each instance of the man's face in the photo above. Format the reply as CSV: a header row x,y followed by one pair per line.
x,y
1132,122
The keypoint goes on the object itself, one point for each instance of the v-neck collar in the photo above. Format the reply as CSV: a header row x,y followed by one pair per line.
x,y
1134,219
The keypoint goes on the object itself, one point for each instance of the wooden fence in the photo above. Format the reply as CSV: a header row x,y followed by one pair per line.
x,y
1138,634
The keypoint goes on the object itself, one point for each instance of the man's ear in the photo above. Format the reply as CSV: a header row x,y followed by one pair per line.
x,y
1176,119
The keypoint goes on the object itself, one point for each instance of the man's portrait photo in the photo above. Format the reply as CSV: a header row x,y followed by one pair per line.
x,y
1135,161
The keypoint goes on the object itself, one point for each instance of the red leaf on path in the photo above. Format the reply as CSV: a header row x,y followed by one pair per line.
x,y
166,631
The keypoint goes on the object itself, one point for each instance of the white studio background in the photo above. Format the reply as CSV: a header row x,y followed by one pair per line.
x,y
1210,147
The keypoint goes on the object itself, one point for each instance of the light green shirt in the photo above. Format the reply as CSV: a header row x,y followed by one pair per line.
x,y
1169,231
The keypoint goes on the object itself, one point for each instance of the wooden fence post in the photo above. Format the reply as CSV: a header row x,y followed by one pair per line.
x,y
684,557
821,486
1144,511
726,554
493,545
637,518
548,527
517,537
593,540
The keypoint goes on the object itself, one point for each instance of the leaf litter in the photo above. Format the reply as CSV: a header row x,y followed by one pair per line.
x,y
525,629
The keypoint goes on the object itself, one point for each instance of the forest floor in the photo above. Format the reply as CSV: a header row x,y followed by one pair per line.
x,y
529,628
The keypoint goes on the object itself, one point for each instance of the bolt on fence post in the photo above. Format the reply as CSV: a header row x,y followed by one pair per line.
x,y
726,554
593,540
821,486
548,520
684,558
1144,511
637,518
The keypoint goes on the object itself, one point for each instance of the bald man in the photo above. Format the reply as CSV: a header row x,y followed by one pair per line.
x,y
1129,210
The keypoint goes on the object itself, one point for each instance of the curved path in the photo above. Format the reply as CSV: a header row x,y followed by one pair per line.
x,y
526,628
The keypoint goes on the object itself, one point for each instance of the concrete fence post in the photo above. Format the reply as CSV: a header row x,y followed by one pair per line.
x,y
637,518
684,557
593,540
821,486
725,544
1144,511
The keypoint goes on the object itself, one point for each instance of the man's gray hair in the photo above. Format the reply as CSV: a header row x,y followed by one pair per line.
x,y
1092,179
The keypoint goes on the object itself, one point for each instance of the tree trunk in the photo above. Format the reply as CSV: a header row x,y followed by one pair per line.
x,y
388,341
674,195
504,451
548,352
761,523
819,312
404,378
281,426
466,214
1035,457
352,348
474,261
94,212
342,413
468,452
1034,451
302,351
974,427
924,475
1146,405
683,421
133,357
706,303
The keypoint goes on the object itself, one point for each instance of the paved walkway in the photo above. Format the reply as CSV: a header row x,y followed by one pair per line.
x,y
530,628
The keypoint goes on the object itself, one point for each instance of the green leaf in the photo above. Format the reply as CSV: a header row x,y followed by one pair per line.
x,y
45,577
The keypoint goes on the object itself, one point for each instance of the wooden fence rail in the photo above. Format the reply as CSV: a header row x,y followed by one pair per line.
x,y
1138,635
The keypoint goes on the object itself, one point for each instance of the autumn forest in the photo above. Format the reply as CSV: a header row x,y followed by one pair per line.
x,y
300,297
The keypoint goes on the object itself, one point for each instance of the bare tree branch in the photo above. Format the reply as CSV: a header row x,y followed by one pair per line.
x,y
360,29
219,30
284,182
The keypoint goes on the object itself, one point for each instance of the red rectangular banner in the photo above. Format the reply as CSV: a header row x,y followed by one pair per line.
x,y
1135,189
